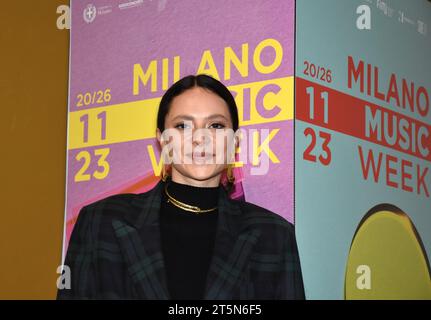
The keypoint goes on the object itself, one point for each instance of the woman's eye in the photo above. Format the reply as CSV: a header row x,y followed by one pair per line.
x,y
217,126
182,126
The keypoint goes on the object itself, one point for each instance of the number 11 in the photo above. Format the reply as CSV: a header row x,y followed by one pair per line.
x,y
324,95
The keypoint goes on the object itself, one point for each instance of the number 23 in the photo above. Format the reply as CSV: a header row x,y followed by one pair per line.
x,y
326,156
102,163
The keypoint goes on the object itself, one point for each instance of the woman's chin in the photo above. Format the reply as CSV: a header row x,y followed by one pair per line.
x,y
201,172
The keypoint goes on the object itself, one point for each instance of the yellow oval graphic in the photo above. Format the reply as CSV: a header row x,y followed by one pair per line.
x,y
387,259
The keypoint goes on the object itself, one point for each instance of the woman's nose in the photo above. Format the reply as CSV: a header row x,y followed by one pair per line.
x,y
201,136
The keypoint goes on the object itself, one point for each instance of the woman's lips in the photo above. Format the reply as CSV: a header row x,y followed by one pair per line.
x,y
200,156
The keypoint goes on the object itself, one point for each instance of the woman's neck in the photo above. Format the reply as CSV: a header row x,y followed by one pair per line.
x,y
208,183
203,197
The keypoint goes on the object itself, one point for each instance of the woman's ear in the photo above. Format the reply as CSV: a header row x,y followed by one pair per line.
x,y
159,137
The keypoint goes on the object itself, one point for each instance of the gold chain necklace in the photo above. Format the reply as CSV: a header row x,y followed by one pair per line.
x,y
185,206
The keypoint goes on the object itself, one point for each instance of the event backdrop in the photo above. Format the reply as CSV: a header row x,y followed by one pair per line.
x,y
125,54
362,141
362,121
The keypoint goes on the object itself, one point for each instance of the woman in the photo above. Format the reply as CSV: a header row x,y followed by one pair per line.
x,y
185,239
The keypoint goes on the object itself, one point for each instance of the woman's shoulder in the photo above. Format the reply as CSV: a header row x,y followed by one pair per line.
x,y
255,215
112,202
117,205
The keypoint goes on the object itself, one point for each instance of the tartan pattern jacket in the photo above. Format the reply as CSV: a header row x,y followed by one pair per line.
x,y
115,252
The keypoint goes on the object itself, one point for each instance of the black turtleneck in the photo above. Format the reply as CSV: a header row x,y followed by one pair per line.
x,y
188,239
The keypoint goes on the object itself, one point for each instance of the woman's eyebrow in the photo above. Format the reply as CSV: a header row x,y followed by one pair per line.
x,y
214,116
183,117
187,117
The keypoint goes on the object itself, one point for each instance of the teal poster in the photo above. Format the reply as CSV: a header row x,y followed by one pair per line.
x,y
363,148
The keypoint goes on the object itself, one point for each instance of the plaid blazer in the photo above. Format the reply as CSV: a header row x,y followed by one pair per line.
x,y
115,252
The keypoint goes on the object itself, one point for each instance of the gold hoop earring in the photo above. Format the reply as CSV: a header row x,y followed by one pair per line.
x,y
230,175
164,174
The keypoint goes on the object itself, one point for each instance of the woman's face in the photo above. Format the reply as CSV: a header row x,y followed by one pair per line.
x,y
198,134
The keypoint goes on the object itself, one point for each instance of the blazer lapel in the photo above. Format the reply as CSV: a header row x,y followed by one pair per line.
x,y
140,242
139,238
232,250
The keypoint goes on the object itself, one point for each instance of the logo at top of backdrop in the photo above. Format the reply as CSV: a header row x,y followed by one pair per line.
x,y
387,259
89,13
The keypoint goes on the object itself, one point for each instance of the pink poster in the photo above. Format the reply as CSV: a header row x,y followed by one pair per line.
x,y
125,54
